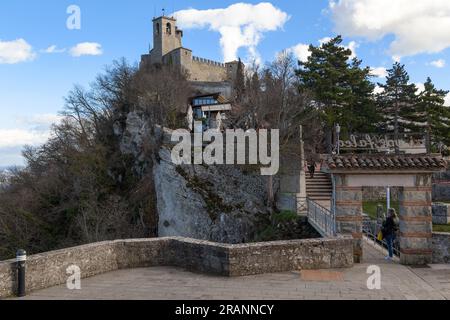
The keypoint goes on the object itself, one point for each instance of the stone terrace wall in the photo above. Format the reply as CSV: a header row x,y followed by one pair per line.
x,y
441,247
49,269
283,256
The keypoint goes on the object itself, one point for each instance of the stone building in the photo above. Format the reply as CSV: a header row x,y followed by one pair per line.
x,y
210,110
168,49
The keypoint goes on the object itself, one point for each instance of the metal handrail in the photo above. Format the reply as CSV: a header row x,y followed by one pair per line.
x,y
367,230
321,218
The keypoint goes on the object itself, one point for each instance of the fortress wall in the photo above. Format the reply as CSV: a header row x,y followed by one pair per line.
x,y
50,269
207,70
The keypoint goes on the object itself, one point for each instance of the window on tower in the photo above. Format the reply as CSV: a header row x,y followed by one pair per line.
x,y
157,29
169,28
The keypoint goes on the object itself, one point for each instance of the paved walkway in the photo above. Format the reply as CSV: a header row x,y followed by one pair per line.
x,y
165,283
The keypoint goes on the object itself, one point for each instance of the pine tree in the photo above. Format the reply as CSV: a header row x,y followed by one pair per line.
x,y
341,87
397,102
433,116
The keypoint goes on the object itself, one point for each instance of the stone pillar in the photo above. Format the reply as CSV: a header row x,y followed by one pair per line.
x,y
349,213
416,228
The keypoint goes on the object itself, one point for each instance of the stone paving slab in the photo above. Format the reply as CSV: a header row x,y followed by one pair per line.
x,y
167,283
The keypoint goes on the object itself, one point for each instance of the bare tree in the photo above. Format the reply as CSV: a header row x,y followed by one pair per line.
x,y
78,187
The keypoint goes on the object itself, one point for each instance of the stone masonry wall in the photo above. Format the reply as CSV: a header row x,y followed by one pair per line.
x,y
441,213
416,222
49,269
283,256
441,247
441,186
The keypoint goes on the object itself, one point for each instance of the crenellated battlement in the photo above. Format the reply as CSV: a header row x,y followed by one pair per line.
x,y
207,61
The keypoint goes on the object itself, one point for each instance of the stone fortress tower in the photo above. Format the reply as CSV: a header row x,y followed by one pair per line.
x,y
168,49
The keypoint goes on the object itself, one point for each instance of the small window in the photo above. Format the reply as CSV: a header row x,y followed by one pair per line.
x,y
169,28
157,29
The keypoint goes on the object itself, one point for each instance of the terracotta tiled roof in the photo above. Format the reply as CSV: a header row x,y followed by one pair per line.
x,y
386,162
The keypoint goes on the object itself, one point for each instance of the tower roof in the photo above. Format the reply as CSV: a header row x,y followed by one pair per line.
x,y
164,17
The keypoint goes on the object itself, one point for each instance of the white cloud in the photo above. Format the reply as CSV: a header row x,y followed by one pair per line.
x,y
86,49
19,137
39,121
16,51
301,52
324,40
30,130
396,58
54,49
420,87
418,26
379,72
240,25
378,90
438,63
353,45
447,100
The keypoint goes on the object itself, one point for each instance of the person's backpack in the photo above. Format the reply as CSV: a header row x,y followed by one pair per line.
x,y
395,226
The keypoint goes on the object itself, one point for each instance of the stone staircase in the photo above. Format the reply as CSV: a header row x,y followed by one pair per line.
x,y
320,189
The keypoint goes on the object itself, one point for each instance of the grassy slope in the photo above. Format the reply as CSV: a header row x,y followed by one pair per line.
x,y
370,207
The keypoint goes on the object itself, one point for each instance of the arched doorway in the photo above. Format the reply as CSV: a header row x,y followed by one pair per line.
x,y
412,173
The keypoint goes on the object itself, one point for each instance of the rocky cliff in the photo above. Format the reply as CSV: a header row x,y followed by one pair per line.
x,y
217,203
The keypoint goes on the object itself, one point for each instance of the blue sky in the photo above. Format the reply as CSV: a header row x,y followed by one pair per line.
x,y
33,83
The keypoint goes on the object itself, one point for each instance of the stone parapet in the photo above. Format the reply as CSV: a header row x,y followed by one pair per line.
x,y
49,269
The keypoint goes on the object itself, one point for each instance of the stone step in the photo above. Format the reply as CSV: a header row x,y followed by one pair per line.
x,y
322,186
318,181
321,191
316,177
319,184
319,196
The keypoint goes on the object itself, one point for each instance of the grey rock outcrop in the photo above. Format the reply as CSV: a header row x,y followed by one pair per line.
x,y
217,203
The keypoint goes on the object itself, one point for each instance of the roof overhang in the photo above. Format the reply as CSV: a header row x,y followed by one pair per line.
x,y
386,164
